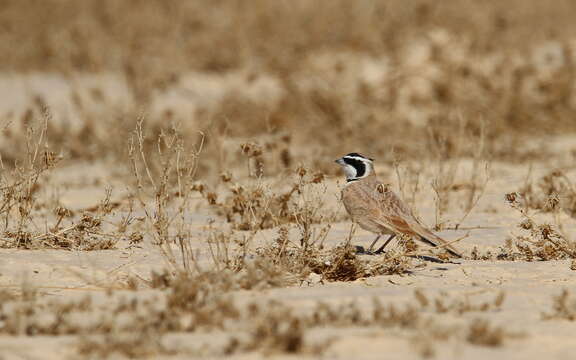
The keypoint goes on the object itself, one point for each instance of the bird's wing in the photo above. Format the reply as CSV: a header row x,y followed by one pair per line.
x,y
392,212
395,215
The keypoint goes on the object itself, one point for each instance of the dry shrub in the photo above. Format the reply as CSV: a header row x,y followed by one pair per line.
x,y
193,296
85,232
382,25
283,262
482,333
300,208
297,259
476,254
445,304
277,330
553,191
130,345
185,305
278,327
476,332
563,307
390,74
340,263
19,186
542,242
253,206
166,175
21,210
204,303
248,207
82,235
343,264
382,315
258,273
450,153
392,262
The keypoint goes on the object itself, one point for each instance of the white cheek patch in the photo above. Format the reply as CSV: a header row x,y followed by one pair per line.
x,y
350,171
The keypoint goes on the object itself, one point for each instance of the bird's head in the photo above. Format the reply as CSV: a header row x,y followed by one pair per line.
x,y
356,166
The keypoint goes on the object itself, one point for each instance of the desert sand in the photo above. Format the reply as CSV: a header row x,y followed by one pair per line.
x,y
528,287
168,187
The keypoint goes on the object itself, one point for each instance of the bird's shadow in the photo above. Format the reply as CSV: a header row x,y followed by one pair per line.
x,y
360,250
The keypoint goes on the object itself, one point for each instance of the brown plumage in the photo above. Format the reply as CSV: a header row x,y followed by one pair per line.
x,y
376,208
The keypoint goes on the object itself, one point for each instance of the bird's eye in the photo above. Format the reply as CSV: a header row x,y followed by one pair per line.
x,y
382,188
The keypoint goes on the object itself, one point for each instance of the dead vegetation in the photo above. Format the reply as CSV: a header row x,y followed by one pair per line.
x,y
300,210
563,307
283,262
482,333
343,264
254,205
539,241
458,173
205,303
237,116
417,70
554,191
164,182
22,211
443,303
141,345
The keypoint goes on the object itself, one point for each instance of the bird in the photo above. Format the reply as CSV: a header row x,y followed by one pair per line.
x,y
376,208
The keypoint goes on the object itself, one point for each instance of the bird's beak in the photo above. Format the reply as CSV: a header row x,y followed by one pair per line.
x,y
338,161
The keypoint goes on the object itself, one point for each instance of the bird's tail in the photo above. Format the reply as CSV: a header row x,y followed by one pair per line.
x,y
436,241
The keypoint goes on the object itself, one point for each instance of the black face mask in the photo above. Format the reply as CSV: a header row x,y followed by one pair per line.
x,y
360,166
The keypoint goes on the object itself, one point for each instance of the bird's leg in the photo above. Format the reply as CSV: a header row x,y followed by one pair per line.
x,y
381,248
374,243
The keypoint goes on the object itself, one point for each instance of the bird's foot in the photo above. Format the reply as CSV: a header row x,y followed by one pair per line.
x,y
378,252
360,250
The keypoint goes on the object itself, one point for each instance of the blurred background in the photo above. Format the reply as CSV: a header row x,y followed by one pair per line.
x,y
305,81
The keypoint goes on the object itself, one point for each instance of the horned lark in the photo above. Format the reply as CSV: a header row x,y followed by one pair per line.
x,y
376,208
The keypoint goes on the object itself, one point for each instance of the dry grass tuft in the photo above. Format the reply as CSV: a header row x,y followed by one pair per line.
x,y
542,242
563,307
419,72
482,333
254,206
552,192
277,330
205,303
477,331
336,264
21,209
343,265
443,303
139,345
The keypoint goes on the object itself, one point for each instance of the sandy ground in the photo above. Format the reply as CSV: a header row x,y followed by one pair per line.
x,y
529,286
